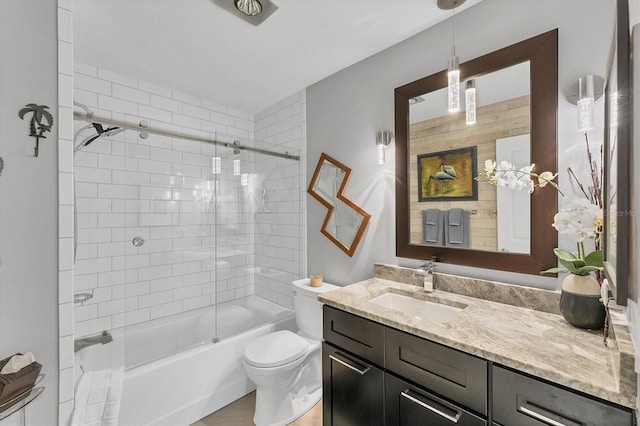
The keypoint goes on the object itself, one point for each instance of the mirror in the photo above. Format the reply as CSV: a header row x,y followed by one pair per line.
x,y
521,80
345,221
501,132
617,150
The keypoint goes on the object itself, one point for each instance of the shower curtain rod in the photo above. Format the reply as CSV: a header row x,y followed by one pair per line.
x,y
140,128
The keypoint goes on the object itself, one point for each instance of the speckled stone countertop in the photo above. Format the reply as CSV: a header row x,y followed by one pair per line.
x,y
527,339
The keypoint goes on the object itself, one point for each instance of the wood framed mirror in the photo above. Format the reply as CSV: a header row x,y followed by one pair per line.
x,y
345,221
539,57
617,151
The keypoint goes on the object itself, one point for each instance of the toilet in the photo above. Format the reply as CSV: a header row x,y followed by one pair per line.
x,y
287,367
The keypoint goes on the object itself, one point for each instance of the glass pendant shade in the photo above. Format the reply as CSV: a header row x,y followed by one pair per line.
x,y
381,154
454,84
470,102
249,7
585,102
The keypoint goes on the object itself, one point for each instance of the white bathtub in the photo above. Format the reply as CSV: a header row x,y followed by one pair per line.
x,y
183,387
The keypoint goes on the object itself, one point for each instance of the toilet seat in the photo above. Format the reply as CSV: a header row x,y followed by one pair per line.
x,y
275,349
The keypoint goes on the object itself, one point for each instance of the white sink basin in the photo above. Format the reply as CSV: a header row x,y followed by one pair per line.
x,y
417,308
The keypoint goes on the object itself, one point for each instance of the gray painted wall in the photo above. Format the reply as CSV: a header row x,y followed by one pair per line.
x,y
29,196
345,110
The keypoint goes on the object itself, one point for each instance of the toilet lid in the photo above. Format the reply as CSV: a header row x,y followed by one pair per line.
x,y
275,349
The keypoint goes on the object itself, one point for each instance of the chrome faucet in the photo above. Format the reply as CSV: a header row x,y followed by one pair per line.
x,y
426,271
103,338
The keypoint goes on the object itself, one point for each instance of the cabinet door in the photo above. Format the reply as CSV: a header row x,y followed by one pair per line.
x,y
353,390
408,405
525,401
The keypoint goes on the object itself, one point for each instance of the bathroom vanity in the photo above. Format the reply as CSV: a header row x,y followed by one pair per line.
x,y
475,362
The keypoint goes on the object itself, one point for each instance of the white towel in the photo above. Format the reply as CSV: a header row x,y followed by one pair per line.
x,y
98,396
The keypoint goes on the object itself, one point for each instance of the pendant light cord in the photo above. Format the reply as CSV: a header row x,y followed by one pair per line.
x,y
453,29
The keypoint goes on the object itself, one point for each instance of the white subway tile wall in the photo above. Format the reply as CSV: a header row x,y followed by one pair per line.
x,y
205,243
280,235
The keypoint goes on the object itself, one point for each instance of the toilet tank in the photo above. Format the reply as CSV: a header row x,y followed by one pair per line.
x,y
307,307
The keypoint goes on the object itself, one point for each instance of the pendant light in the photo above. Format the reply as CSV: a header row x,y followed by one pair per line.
x,y
453,74
470,101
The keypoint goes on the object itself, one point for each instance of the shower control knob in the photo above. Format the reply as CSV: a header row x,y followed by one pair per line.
x,y
137,241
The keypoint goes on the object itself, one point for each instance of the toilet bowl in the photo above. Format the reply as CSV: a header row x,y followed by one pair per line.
x,y
286,367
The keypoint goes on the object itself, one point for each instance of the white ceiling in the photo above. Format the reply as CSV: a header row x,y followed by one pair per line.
x,y
198,48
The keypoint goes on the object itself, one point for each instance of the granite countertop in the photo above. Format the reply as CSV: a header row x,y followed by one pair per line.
x,y
540,343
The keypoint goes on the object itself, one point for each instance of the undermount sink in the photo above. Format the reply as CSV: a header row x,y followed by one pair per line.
x,y
417,308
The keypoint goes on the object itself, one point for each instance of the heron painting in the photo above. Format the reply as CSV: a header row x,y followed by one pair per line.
x,y
448,175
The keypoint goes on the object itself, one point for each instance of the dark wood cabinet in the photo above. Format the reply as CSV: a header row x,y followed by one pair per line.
x,y
353,390
519,399
377,375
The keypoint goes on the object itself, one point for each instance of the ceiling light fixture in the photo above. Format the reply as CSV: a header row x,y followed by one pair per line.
x,y
453,74
249,7
254,12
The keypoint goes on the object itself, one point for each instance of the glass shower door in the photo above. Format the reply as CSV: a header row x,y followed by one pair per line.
x,y
170,239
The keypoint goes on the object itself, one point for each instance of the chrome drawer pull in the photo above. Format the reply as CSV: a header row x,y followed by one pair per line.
x,y
346,364
430,408
540,417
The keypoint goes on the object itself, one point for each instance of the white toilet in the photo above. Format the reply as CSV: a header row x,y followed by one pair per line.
x,y
287,367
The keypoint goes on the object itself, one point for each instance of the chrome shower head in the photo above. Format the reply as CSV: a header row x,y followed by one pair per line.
x,y
102,132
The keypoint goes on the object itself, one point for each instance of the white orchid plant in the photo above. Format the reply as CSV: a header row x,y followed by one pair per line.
x,y
507,175
583,220
580,217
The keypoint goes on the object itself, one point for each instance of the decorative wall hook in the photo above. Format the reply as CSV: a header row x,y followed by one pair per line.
x,y
39,112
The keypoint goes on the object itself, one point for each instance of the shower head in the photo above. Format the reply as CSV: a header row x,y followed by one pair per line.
x,y
102,132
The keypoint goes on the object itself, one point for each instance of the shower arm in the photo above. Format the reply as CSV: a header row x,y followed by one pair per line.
x,y
90,117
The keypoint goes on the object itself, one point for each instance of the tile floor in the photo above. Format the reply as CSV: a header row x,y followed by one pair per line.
x,y
240,413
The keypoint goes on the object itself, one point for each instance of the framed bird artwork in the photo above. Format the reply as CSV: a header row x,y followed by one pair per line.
x,y
448,175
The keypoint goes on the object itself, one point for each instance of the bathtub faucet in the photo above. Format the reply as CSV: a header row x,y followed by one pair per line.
x,y
103,338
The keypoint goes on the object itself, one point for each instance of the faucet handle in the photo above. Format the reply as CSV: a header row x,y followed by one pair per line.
x,y
429,263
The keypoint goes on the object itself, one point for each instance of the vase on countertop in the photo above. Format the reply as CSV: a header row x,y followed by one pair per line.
x,y
580,302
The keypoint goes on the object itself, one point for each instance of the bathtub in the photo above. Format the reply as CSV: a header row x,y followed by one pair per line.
x,y
166,385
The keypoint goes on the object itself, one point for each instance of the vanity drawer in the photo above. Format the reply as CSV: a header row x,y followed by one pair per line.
x,y
523,400
354,334
450,373
409,405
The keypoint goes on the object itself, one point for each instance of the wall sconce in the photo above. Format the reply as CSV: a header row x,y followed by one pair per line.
x,y
383,140
470,99
583,93
453,75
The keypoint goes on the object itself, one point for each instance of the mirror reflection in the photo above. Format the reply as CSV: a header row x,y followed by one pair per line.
x,y
345,221
447,206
